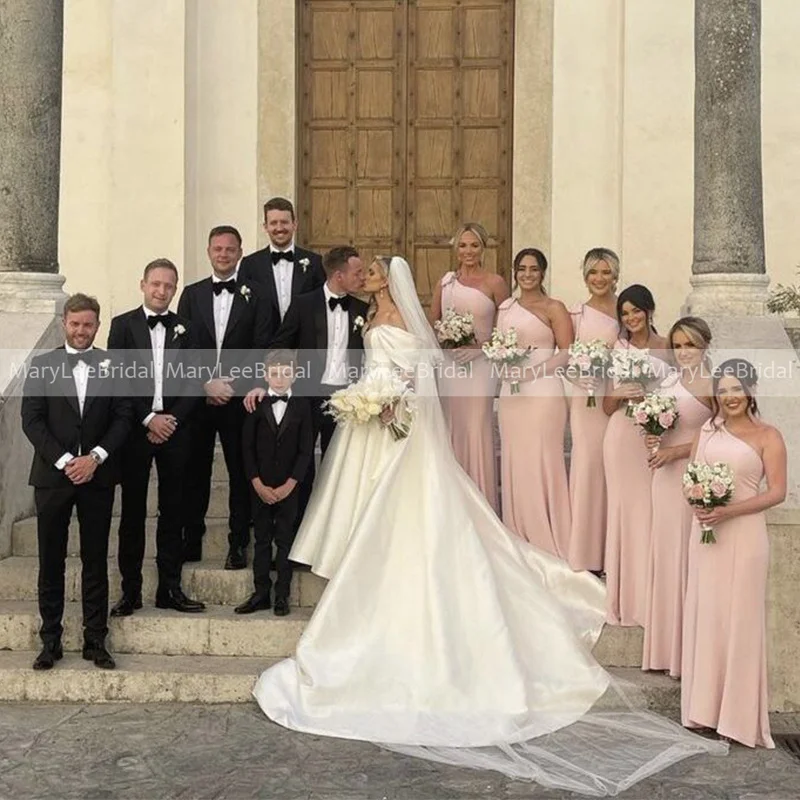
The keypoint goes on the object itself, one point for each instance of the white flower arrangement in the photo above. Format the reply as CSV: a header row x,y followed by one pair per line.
x,y
245,292
177,331
105,363
365,401
454,329
503,349
656,414
358,323
590,359
708,486
631,366
304,262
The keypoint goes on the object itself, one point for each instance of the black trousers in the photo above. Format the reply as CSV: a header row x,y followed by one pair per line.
x,y
274,523
171,460
53,512
226,420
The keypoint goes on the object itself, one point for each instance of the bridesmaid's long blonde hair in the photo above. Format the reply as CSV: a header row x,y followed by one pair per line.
x,y
470,227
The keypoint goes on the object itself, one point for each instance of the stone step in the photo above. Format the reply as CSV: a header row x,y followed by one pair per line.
x,y
24,540
206,581
215,632
137,679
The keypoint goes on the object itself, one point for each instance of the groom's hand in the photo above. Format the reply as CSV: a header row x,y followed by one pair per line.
x,y
219,391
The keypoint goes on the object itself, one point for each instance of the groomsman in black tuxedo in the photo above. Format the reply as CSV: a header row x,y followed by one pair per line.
x,y
231,324
321,327
156,343
76,414
282,268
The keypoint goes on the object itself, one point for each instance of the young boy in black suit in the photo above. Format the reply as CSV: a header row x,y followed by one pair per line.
x,y
277,446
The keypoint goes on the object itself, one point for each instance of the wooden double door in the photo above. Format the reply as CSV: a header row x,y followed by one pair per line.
x,y
405,127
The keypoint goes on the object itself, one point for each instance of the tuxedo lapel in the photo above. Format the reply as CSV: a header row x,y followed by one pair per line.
x,y
66,381
140,331
288,416
320,321
205,301
355,344
266,410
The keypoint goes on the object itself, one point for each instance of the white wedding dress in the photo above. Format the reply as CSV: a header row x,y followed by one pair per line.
x,y
443,635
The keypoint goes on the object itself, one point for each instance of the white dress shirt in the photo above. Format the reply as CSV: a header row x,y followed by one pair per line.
x,y
279,408
335,373
223,302
283,272
158,339
80,375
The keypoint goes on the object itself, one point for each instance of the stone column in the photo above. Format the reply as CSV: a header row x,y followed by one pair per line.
x,y
31,33
728,272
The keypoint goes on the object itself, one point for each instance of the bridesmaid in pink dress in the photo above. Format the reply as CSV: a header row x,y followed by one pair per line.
x,y
724,683
535,492
594,319
689,339
469,384
627,475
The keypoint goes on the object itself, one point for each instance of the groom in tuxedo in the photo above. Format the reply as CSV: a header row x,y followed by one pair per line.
x,y
155,342
283,269
76,415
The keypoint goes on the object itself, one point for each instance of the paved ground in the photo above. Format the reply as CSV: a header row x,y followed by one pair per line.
x,y
194,751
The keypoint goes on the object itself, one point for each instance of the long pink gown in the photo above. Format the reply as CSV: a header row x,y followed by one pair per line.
x,y
535,493
669,540
468,400
724,680
587,484
628,517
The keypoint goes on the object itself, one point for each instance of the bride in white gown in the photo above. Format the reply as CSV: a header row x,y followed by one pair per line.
x,y
440,633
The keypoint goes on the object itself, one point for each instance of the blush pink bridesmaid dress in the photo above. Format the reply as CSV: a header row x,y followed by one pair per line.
x,y
587,484
724,665
535,494
468,401
669,540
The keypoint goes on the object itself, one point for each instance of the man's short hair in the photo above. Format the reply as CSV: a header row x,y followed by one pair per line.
x,y
280,357
337,257
278,204
221,230
81,302
160,263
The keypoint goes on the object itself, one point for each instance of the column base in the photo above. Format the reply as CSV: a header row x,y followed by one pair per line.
x,y
733,294
32,292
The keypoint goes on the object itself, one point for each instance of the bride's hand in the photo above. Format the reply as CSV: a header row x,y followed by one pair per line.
x,y
387,415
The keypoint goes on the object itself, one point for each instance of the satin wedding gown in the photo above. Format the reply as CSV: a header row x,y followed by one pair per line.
x,y
443,635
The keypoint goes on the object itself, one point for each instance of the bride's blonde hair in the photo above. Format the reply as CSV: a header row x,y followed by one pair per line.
x,y
385,263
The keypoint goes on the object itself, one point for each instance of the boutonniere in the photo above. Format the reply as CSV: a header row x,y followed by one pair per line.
x,y
105,363
304,262
177,331
358,323
245,292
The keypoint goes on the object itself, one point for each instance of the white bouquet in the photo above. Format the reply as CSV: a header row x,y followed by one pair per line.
x,y
454,329
367,400
631,366
589,359
503,349
708,486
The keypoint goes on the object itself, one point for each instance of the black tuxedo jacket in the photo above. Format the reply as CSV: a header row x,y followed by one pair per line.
x,y
129,338
258,267
275,452
305,329
250,327
52,421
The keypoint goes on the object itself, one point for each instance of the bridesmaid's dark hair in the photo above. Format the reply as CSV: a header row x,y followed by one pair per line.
x,y
640,297
541,260
745,373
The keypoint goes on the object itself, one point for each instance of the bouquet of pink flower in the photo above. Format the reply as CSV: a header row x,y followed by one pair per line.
x,y
589,359
656,414
454,329
708,486
503,349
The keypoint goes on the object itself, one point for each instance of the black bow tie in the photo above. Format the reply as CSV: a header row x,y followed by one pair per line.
x,y
343,302
274,398
87,357
224,286
278,256
160,319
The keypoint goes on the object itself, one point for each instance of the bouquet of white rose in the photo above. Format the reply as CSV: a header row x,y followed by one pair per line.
x,y
656,414
454,329
631,366
590,360
503,349
367,400
708,486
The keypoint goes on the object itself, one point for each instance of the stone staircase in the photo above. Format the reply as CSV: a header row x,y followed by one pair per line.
x,y
167,656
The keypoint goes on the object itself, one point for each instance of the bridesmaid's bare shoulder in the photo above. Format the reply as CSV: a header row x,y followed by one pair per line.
x,y
498,288
768,434
555,307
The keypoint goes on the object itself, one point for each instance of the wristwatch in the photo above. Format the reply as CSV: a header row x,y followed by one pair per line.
x,y
96,458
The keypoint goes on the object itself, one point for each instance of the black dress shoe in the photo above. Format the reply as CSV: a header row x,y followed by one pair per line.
x,y
96,651
48,657
256,602
281,607
125,606
236,558
178,601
